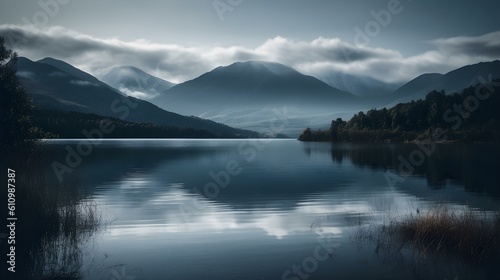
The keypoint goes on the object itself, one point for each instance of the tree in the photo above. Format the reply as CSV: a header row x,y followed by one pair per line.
x,y
306,135
17,133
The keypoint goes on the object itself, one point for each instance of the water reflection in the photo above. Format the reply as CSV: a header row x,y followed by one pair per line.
x,y
287,196
54,223
473,166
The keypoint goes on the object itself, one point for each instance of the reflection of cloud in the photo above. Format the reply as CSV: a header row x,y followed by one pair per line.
x,y
211,217
179,63
328,214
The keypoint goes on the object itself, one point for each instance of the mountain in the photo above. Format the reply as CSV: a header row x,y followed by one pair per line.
x,y
248,94
362,86
453,81
70,69
252,83
54,89
418,84
135,82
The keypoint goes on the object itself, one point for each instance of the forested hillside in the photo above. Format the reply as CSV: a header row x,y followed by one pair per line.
x,y
471,115
72,124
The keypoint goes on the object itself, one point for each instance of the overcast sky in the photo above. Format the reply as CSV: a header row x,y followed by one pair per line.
x,y
179,40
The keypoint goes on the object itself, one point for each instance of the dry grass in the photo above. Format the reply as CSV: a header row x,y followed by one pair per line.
x,y
56,221
468,234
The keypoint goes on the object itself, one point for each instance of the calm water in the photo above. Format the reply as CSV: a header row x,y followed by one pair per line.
x,y
284,203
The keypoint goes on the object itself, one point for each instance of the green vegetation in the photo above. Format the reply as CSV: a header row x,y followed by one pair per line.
x,y
471,115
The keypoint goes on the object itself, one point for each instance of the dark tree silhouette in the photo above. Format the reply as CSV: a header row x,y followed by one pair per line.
x,y
17,133
415,120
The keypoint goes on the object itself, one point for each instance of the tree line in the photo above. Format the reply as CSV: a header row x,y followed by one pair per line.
x,y
70,125
470,115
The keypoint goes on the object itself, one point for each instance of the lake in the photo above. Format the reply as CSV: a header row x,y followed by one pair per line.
x,y
271,209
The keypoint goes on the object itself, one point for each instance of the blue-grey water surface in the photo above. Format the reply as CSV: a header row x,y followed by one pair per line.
x,y
277,208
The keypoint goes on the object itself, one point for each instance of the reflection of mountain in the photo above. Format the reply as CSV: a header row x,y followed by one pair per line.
x,y
267,182
189,166
473,166
282,191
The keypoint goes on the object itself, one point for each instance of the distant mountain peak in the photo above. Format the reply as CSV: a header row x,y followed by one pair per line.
x,y
135,82
360,85
255,65
453,81
69,69
56,85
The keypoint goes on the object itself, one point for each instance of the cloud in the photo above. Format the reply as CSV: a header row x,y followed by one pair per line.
x,y
484,46
138,94
83,83
178,63
25,74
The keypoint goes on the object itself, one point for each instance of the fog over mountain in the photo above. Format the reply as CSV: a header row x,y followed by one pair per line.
x,y
245,94
249,95
363,86
53,88
454,81
135,82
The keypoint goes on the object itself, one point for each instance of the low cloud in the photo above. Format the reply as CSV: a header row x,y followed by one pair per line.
x,y
25,74
177,63
83,83
137,94
484,46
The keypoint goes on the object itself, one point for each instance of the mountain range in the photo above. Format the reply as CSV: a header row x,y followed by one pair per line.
x,y
244,94
135,82
56,85
247,84
453,81
248,94
358,85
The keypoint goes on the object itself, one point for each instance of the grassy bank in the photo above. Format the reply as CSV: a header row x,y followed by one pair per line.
x,y
469,235
53,220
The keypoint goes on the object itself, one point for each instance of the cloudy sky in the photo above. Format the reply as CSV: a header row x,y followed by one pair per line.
x,y
390,40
